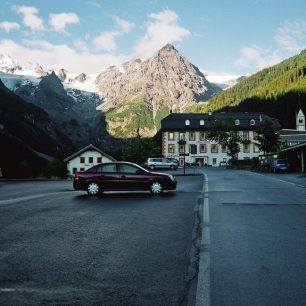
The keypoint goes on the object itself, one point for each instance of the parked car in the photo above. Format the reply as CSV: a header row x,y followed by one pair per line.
x,y
173,160
121,176
280,165
161,163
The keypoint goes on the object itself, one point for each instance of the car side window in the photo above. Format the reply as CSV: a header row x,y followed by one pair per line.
x,y
109,168
128,169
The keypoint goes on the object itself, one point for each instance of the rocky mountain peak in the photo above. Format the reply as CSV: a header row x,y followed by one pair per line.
x,y
166,81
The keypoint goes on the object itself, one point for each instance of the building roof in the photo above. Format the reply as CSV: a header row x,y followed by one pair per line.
x,y
176,121
298,146
293,137
88,148
285,132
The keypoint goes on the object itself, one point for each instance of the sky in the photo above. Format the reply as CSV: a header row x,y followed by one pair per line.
x,y
225,39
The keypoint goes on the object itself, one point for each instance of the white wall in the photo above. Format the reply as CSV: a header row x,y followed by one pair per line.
x,y
75,162
209,156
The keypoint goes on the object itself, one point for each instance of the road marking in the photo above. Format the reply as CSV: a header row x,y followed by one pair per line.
x,y
203,286
26,198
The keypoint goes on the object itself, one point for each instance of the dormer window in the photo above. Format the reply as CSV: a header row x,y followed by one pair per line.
x,y
202,122
187,122
237,122
252,122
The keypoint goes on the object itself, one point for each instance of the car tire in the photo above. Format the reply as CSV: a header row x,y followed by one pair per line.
x,y
172,167
93,189
156,188
152,167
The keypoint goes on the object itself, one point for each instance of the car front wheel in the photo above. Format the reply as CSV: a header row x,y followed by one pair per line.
x,y
172,167
156,188
93,189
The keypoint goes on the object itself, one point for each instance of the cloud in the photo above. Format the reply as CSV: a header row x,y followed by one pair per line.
x,y
30,18
291,36
258,57
52,56
8,26
60,21
106,40
124,25
162,28
220,77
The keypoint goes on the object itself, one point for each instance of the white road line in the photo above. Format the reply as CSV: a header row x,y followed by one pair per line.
x,y
203,286
26,198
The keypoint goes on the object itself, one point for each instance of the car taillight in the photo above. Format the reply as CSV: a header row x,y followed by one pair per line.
x,y
76,175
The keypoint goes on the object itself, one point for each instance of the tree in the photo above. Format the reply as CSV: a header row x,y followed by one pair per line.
x,y
55,168
227,136
139,149
267,137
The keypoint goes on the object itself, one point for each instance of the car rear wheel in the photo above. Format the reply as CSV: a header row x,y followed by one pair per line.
x,y
152,167
93,188
156,188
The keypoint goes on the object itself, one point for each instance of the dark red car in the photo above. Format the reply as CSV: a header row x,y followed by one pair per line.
x,y
122,176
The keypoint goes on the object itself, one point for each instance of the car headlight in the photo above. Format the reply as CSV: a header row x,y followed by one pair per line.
x,y
172,178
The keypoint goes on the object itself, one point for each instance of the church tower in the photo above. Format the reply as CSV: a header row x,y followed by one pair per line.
x,y
300,121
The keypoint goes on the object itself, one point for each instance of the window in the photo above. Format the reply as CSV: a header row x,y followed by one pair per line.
x,y
182,136
214,161
193,149
187,122
301,121
203,148
82,169
170,135
182,149
99,160
171,148
110,168
202,122
237,122
191,136
90,160
252,122
246,148
74,170
82,160
202,136
128,169
223,149
245,135
214,148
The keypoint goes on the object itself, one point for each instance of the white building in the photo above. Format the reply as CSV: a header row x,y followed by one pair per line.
x,y
193,128
86,158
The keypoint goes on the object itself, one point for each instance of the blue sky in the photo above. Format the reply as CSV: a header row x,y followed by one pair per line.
x,y
223,38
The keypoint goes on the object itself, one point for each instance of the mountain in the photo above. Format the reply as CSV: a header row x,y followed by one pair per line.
x,y
130,99
140,93
230,83
73,110
27,134
279,91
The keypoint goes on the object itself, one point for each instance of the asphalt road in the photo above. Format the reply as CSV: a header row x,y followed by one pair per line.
x,y
61,247
257,250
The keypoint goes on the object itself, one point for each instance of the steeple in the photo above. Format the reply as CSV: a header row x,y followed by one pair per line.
x,y
300,121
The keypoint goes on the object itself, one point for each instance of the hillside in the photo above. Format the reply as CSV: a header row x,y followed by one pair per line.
x,y
140,93
277,91
26,133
